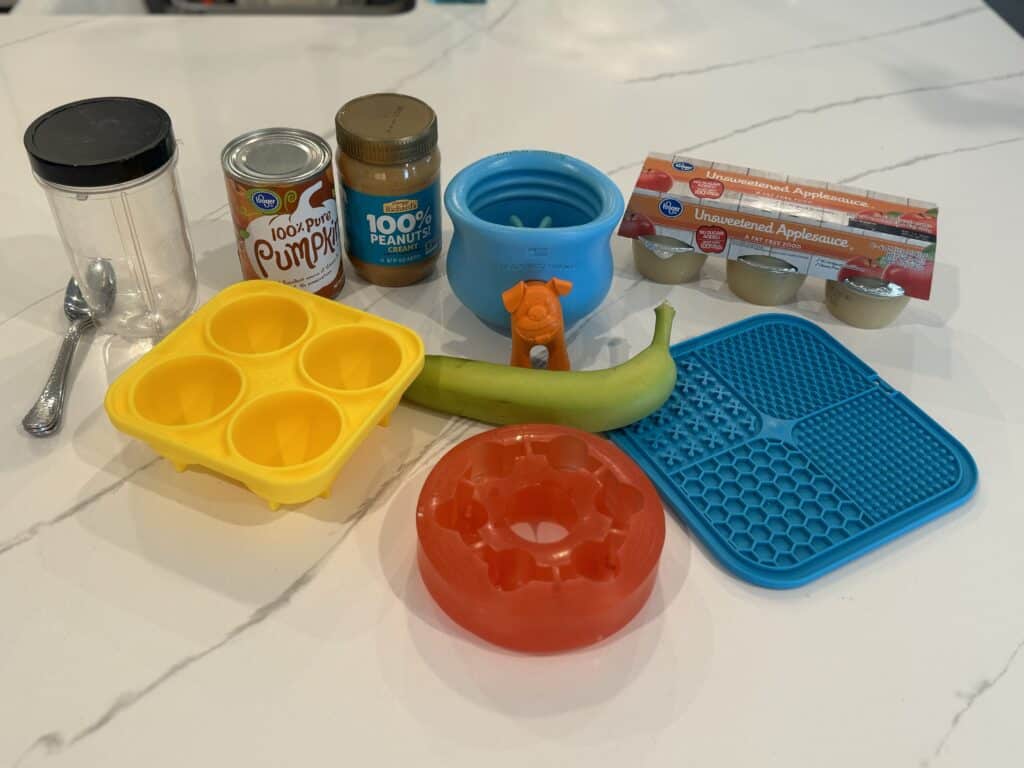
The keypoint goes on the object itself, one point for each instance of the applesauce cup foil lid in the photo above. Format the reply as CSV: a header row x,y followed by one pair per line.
x,y
873,286
767,263
664,246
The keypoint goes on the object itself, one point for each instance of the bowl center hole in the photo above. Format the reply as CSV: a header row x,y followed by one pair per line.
x,y
541,514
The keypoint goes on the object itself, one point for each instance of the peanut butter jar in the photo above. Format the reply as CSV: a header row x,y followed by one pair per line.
x,y
390,170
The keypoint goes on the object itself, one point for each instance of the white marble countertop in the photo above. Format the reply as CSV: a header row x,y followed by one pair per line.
x,y
163,619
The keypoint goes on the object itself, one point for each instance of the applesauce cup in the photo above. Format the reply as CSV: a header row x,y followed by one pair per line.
x,y
665,259
763,279
865,302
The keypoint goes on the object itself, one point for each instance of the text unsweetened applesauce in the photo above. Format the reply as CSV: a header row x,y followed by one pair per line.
x,y
280,187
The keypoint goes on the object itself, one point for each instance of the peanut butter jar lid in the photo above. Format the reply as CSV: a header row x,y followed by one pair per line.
x,y
386,129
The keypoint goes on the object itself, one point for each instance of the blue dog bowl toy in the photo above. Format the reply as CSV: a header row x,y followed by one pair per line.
x,y
531,215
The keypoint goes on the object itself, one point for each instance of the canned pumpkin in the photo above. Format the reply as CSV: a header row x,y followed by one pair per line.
x,y
281,193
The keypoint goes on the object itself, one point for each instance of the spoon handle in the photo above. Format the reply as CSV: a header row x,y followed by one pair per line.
x,y
44,417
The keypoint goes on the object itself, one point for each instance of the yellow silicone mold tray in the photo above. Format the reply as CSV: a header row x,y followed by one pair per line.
x,y
269,385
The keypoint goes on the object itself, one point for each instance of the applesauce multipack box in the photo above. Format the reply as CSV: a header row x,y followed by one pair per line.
x,y
825,230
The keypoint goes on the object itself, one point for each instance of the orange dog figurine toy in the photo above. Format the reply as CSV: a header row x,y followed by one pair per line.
x,y
537,321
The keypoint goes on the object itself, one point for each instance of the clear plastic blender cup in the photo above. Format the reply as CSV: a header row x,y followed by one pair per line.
x,y
108,168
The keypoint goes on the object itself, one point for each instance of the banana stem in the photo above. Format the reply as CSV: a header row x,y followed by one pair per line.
x,y
664,313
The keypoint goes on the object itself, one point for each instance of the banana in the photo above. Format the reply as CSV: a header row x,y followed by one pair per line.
x,y
594,401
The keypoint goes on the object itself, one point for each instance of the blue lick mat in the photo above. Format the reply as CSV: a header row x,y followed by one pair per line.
x,y
788,456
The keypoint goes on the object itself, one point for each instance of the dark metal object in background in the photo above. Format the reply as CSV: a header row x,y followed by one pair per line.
x,y
1012,12
378,7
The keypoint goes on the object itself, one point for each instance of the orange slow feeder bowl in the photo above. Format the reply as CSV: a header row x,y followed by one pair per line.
x,y
539,538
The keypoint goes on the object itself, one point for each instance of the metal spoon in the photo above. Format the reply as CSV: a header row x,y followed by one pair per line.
x,y
44,418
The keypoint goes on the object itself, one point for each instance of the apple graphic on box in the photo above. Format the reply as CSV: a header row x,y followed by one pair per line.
x,y
914,281
860,266
657,181
636,225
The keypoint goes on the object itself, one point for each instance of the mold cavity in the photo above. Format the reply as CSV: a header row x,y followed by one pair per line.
x,y
618,501
258,325
597,560
534,197
565,452
187,390
351,358
510,569
466,518
494,460
285,429
543,513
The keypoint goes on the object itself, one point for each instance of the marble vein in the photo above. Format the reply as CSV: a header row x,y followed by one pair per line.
x,y
31,532
930,156
856,100
54,741
328,135
970,699
672,74
620,168
215,214
375,301
46,32
449,50
35,303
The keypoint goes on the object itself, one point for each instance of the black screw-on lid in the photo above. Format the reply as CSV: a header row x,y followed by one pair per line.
x,y
100,142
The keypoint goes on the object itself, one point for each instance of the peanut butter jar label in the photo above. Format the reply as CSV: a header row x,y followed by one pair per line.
x,y
391,230
288,234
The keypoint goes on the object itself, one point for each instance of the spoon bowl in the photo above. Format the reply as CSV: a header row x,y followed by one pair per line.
x,y
100,287
45,416
75,305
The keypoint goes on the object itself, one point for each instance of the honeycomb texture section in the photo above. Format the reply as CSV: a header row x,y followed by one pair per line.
x,y
879,453
783,370
771,504
702,417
